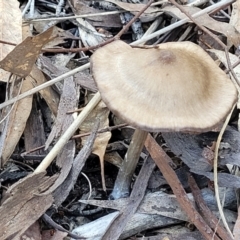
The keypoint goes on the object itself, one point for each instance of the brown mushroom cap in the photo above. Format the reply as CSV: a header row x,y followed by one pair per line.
x,y
174,86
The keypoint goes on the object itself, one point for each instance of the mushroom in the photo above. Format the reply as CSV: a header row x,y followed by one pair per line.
x,y
173,86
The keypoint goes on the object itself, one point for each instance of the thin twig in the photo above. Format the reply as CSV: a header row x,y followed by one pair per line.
x,y
40,19
102,130
215,164
90,185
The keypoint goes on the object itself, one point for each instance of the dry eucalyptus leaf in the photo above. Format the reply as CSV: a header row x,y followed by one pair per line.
x,y
101,141
22,58
16,122
24,204
88,33
68,102
149,14
224,28
10,30
106,21
49,95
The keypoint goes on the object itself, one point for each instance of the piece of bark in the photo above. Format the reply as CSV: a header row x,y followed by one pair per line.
x,y
23,204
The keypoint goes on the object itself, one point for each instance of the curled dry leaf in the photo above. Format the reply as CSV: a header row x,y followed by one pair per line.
x,y
101,141
224,28
10,18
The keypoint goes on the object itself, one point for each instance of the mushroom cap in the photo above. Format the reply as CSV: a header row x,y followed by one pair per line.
x,y
173,86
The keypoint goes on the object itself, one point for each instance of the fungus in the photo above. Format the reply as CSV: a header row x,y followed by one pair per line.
x,y
173,86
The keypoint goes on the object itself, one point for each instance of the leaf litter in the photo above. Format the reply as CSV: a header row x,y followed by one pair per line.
x,y
150,208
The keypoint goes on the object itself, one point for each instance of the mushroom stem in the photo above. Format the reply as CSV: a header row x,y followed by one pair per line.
x,y
122,184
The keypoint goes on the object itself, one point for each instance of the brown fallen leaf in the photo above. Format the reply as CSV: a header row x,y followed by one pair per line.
x,y
22,58
10,18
